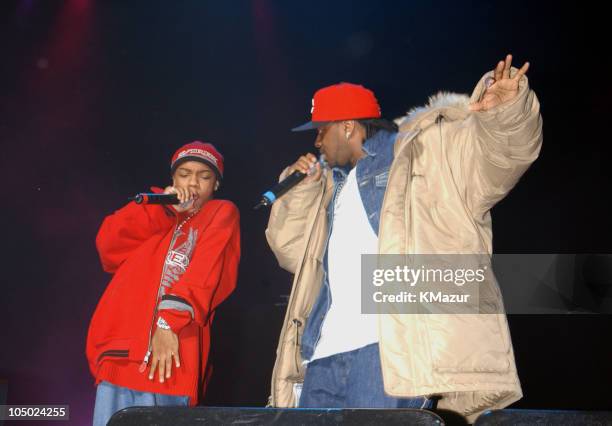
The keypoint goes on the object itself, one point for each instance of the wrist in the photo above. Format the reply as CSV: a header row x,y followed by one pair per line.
x,y
162,324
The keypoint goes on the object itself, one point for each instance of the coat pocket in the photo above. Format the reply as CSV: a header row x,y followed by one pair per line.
x,y
470,343
380,180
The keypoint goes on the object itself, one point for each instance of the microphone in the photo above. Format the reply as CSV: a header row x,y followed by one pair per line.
x,y
153,198
269,197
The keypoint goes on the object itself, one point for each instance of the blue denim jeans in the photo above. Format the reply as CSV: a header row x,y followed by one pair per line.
x,y
111,398
351,380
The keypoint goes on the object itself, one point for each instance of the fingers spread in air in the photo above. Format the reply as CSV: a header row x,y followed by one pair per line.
x,y
522,71
507,66
499,69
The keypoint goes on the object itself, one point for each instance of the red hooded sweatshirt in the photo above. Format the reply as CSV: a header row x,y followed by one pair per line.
x,y
160,270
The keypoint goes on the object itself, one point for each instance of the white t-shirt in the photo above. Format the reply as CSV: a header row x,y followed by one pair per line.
x,y
345,328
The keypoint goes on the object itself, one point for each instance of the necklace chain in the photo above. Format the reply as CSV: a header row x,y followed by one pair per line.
x,y
178,228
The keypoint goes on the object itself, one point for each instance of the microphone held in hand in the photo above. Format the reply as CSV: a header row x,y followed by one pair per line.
x,y
269,197
153,198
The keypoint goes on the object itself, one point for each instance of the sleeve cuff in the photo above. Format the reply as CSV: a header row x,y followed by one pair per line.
x,y
176,311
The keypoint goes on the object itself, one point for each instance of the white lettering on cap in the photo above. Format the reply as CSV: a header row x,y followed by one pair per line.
x,y
197,152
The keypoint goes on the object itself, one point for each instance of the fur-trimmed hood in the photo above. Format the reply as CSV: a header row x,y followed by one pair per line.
x,y
451,105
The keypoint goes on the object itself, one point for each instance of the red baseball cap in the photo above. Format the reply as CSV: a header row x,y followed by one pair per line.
x,y
342,101
199,151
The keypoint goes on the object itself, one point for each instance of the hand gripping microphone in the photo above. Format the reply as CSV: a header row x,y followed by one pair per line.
x,y
269,197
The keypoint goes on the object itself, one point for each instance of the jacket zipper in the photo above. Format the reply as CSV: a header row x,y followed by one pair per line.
x,y
298,324
391,170
145,361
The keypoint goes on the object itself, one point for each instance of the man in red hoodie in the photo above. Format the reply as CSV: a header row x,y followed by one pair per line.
x,y
149,337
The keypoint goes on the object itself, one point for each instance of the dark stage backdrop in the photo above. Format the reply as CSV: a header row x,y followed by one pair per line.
x,y
95,96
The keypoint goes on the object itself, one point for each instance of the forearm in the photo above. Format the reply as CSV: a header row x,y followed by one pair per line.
x,y
127,228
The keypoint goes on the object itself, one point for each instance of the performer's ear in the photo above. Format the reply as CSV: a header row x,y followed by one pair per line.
x,y
349,126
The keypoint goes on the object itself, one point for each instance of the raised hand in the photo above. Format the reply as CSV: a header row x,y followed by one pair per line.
x,y
303,164
502,88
